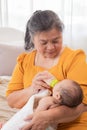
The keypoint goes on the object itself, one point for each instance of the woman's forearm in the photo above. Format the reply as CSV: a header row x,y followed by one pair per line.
x,y
18,99
63,114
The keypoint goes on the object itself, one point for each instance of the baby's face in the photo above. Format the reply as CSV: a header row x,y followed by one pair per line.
x,y
62,84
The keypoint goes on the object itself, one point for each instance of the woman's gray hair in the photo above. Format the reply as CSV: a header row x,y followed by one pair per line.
x,y
41,21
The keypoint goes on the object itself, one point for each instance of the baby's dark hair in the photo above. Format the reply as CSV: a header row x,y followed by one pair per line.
x,y
41,21
71,97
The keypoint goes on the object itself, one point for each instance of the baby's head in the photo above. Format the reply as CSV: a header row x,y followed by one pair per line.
x,y
68,92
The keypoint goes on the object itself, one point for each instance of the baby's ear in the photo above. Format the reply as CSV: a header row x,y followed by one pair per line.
x,y
60,99
58,96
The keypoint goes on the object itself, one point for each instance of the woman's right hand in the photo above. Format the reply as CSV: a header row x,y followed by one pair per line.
x,y
38,81
17,99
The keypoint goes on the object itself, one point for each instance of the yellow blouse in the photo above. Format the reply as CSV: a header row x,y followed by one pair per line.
x,y
71,65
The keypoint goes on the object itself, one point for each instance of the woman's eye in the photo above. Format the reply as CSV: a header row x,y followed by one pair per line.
x,y
43,43
55,42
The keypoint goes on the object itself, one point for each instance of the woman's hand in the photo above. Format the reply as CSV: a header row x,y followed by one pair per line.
x,y
17,99
40,121
38,82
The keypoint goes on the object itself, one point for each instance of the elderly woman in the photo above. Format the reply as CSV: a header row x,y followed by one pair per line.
x,y
44,36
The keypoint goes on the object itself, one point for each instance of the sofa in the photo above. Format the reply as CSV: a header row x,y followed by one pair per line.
x,y
8,58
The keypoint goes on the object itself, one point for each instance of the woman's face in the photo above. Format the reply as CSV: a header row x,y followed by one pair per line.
x,y
48,43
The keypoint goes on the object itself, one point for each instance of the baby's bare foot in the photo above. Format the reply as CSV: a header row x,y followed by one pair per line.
x,y
1,124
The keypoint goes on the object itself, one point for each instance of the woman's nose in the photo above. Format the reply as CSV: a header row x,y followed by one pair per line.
x,y
50,46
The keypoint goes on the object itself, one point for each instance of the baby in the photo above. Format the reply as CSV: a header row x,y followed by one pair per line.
x,y
65,92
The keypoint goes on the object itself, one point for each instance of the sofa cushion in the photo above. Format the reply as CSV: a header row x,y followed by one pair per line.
x,y
8,56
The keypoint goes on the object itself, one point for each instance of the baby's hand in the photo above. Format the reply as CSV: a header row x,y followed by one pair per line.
x,y
45,103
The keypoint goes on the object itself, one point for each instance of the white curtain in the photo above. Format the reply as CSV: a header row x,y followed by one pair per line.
x,y
15,13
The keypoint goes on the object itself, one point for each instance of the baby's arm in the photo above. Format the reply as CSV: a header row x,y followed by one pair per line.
x,y
46,103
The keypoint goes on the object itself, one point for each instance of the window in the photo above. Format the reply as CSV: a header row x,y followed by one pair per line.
x,y
15,13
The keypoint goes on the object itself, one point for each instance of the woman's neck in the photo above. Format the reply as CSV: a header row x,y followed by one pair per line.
x,y
46,62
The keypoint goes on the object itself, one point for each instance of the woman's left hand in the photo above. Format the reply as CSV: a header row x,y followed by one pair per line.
x,y
38,122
